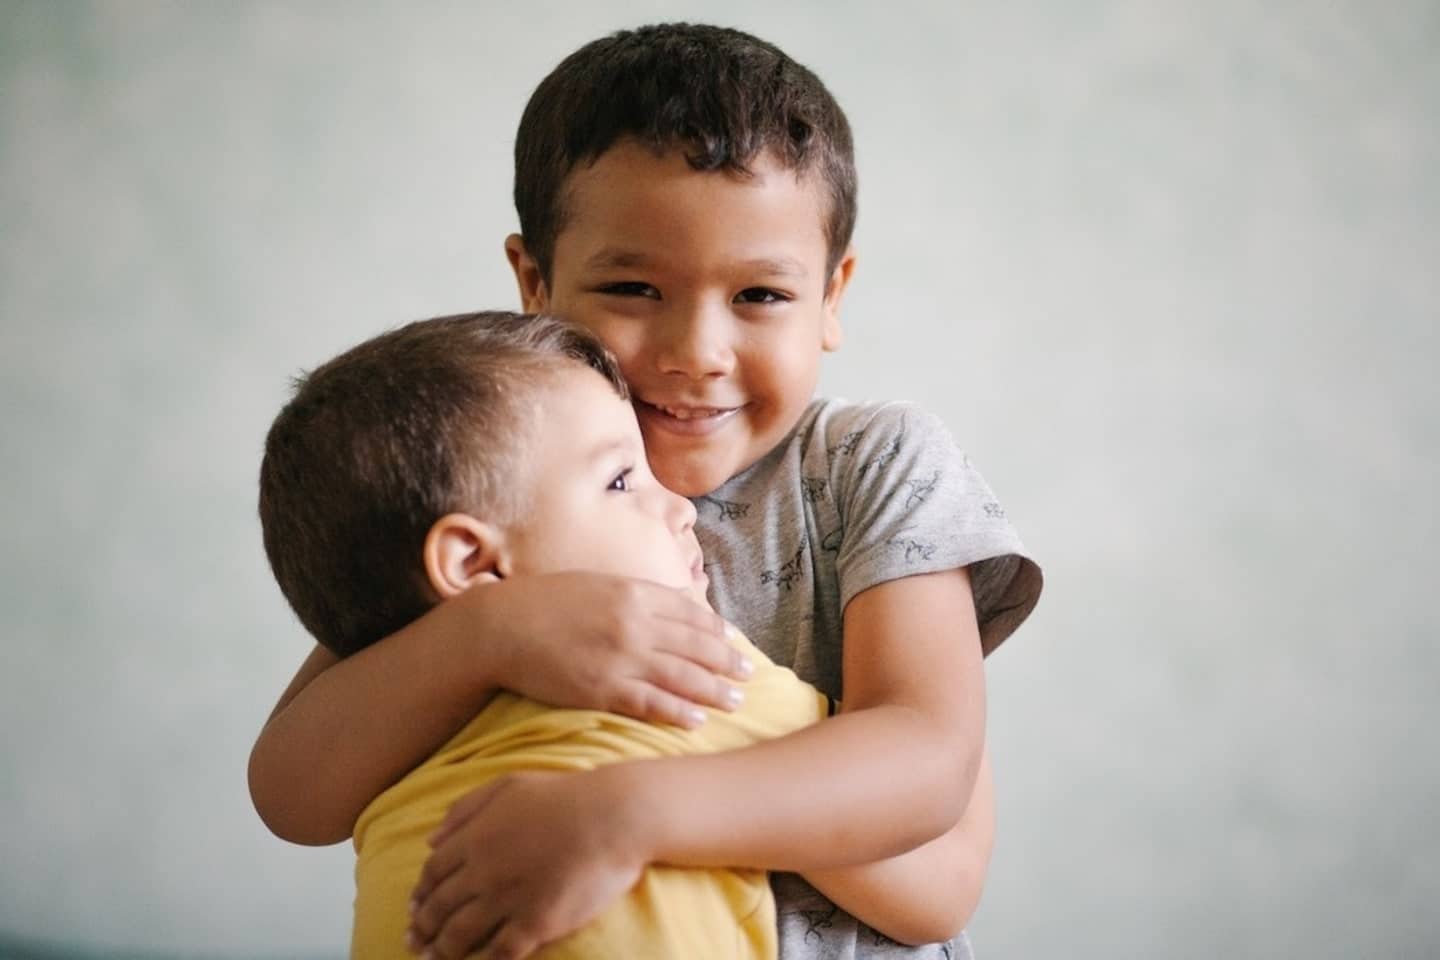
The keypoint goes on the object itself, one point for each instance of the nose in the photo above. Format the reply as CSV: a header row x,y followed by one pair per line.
x,y
697,342
678,512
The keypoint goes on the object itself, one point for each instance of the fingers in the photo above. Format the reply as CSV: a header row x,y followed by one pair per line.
x,y
453,910
680,608
444,862
466,934
713,652
510,943
684,679
470,925
703,639
629,646
644,701
679,659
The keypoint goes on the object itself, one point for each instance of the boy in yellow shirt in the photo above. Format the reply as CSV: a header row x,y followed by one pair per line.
x,y
449,455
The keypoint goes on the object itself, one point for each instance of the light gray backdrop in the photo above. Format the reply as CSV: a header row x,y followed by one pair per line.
x,y
1168,270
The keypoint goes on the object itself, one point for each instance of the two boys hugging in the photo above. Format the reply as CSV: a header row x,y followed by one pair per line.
x,y
686,195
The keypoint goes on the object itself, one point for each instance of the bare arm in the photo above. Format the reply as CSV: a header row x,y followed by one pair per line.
x,y
929,894
896,767
346,730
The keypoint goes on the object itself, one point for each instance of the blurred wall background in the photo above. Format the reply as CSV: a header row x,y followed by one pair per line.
x,y
1169,270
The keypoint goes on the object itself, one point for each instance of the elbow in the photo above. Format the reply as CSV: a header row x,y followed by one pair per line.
x,y
938,922
958,917
960,910
945,917
280,815
924,931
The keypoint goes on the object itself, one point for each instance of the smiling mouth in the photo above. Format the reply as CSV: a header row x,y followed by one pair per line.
x,y
691,413
684,421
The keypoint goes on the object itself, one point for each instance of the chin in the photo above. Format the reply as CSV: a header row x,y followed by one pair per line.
x,y
698,480
688,474
688,484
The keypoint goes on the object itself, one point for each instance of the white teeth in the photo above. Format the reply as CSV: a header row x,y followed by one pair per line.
x,y
691,413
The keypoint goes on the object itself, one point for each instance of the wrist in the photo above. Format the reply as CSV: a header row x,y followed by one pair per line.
x,y
619,793
472,641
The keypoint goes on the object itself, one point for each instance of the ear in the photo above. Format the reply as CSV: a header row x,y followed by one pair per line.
x,y
461,552
831,335
534,298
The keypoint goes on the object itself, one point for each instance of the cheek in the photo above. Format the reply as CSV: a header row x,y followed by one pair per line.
x,y
783,366
626,341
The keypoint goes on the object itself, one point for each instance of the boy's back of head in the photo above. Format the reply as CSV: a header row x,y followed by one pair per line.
x,y
722,96
385,439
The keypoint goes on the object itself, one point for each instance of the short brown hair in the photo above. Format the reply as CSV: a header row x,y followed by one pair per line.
x,y
385,439
721,95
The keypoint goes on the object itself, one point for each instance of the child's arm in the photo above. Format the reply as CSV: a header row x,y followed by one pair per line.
x,y
892,772
344,731
929,894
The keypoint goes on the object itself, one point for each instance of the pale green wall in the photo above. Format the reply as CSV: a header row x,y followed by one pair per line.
x,y
1168,269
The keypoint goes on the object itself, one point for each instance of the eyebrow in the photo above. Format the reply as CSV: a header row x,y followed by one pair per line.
x,y
602,451
616,258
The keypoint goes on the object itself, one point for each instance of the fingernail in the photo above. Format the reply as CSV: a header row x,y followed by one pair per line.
x,y
696,716
734,697
412,943
747,666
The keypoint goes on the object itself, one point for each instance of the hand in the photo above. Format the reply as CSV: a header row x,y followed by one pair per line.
x,y
598,642
521,862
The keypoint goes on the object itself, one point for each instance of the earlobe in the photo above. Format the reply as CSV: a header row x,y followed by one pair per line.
x,y
461,552
831,335
534,298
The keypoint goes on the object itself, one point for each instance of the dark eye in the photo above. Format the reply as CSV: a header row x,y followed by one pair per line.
x,y
621,483
630,288
760,295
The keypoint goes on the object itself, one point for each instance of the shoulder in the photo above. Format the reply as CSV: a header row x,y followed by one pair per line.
x,y
878,444
844,424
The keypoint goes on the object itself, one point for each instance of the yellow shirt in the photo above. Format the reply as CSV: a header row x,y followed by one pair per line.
x,y
672,912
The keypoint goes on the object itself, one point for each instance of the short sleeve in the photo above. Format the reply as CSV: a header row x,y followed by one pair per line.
x,y
910,502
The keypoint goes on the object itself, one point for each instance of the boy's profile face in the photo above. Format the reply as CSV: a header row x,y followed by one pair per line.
x,y
592,502
711,290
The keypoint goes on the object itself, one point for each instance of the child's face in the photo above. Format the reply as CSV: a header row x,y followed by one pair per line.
x,y
712,291
593,503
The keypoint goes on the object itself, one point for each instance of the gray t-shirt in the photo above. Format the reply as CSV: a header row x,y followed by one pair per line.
x,y
855,496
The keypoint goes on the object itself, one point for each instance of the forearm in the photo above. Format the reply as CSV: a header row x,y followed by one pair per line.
x,y
336,742
930,893
894,770
860,787
341,735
